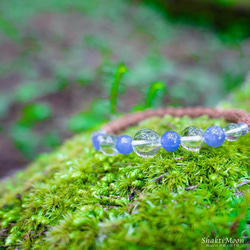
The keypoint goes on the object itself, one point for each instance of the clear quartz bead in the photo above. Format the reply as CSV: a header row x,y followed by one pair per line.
x,y
232,131
244,128
146,143
107,145
192,138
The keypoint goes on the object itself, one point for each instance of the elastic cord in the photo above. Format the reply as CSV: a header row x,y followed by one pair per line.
x,y
230,115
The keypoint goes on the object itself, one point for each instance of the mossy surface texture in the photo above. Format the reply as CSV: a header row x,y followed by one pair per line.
x,y
77,198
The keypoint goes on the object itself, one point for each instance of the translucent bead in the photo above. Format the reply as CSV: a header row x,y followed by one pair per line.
x,y
192,138
214,136
232,132
146,143
124,144
170,141
96,138
244,128
107,145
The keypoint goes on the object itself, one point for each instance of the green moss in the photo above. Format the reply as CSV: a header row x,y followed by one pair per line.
x,y
77,198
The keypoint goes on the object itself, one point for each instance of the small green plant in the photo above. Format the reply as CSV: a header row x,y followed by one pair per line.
x,y
121,70
156,92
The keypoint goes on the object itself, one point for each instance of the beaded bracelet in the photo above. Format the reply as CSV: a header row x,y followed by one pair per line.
x,y
146,142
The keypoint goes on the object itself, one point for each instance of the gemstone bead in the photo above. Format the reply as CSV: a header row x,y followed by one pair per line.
x,y
107,145
170,141
214,136
146,143
232,131
96,138
244,128
124,144
192,138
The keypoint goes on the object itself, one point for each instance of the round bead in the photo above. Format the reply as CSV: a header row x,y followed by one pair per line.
x,y
96,138
124,144
244,128
192,138
107,145
170,141
214,136
146,143
232,131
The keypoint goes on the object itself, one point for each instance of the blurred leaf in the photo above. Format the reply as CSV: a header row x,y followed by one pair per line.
x,y
156,92
100,107
62,83
98,113
232,81
25,140
26,93
52,139
30,91
9,29
138,107
121,70
35,113
83,121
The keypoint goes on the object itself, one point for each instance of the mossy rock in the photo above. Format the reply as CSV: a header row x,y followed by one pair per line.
x,y
77,198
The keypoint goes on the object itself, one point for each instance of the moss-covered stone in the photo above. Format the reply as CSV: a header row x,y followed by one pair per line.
x,y
77,198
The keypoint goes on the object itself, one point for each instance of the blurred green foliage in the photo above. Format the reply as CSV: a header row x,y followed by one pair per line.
x,y
230,18
99,112
22,134
34,113
8,28
29,92
92,53
239,98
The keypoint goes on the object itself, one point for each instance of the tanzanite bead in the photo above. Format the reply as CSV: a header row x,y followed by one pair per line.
x,y
96,138
124,144
214,136
170,141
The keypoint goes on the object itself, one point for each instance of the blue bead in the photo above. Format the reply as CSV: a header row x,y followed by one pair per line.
x,y
124,144
214,136
96,139
170,141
